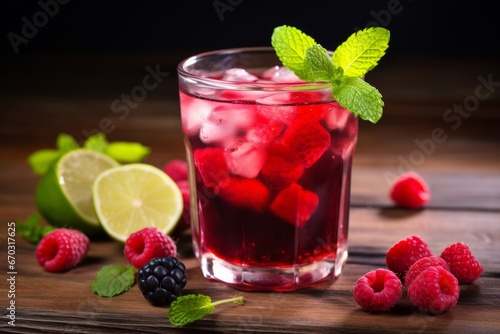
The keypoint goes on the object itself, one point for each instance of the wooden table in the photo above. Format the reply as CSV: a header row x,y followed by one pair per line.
x,y
458,154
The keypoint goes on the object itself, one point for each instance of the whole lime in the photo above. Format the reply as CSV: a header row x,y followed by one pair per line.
x,y
64,193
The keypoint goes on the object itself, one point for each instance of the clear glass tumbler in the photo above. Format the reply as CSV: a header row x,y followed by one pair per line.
x,y
270,165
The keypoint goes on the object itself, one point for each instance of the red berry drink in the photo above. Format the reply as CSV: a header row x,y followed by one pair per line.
x,y
270,162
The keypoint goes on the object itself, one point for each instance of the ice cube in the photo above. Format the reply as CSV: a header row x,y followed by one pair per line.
x,y
225,123
274,107
238,74
194,112
246,160
269,74
213,133
336,116
238,115
281,74
263,131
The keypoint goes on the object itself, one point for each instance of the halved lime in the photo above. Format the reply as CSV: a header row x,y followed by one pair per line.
x,y
64,193
131,197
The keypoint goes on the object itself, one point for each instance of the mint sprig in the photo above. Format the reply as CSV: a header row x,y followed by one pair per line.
x,y
113,279
344,70
190,308
32,228
121,151
291,45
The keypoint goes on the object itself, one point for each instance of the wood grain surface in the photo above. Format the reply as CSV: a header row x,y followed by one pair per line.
x,y
48,94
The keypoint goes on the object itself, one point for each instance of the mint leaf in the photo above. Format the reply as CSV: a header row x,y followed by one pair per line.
x,y
291,45
127,151
359,97
96,142
32,229
113,279
318,65
66,143
361,52
190,308
41,160
122,151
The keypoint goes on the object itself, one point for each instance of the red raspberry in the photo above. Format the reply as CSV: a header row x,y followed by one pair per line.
x,y
308,139
404,253
248,193
146,244
410,191
279,173
282,167
177,170
378,290
212,166
295,204
62,249
435,290
421,265
462,263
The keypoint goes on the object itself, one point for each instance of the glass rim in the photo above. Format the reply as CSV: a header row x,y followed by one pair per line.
x,y
226,84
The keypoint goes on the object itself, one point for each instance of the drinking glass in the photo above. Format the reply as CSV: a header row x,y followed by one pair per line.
x,y
269,161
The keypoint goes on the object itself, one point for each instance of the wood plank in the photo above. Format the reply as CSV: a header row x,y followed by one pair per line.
x,y
64,302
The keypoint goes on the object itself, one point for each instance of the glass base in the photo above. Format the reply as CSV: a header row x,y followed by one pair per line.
x,y
272,278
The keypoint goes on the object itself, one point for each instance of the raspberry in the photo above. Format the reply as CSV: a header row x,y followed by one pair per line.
x,y
280,172
421,265
410,191
378,290
161,280
177,170
462,263
62,249
212,166
146,244
248,193
435,290
295,204
308,139
404,253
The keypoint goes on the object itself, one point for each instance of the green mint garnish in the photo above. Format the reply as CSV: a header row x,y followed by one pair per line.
x,y
32,229
127,151
113,279
121,151
344,70
41,160
190,308
66,143
291,45
96,142
361,52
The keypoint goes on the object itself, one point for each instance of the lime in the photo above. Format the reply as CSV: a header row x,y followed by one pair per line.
x,y
64,193
131,197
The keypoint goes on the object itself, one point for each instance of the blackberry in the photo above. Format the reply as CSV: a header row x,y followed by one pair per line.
x,y
161,280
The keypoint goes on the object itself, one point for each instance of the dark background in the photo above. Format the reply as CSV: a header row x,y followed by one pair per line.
x,y
418,27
